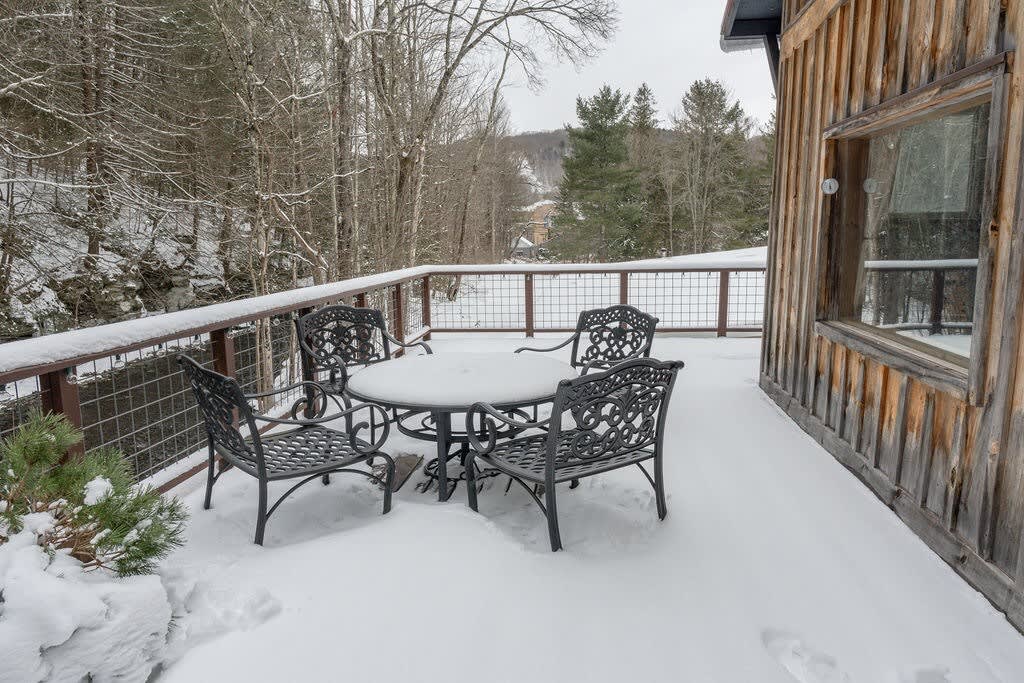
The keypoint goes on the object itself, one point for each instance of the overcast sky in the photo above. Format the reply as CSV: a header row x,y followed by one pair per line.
x,y
669,44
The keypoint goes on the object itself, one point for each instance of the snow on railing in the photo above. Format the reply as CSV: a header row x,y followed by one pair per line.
x,y
119,382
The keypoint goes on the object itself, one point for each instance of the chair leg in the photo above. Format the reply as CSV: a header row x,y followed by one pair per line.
x,y
326,479
209,480
470,468
389,480
261,518
659,487
552,514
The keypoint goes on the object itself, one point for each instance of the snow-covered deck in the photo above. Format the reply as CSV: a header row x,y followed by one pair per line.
x,y
774,565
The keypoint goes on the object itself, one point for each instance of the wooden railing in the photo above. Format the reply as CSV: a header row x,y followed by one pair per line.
x,y
120,385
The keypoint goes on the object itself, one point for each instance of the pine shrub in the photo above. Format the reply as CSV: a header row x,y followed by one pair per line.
x,y
88,506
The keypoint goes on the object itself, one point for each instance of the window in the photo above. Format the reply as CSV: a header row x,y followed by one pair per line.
x,y
918,263
908,263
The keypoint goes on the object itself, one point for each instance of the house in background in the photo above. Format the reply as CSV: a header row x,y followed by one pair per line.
x,y
523,248
540,217
896,259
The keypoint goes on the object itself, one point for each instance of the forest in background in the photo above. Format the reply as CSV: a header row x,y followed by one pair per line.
x,y
634,189
158,154
162,154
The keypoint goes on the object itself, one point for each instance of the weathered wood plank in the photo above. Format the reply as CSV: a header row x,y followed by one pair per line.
x,y
855,406
838,392
862,12
982,29
802,213
955,476
894,434
875,70
894,73
921,28
828,48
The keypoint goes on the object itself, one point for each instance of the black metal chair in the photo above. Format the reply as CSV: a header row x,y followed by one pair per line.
x,y
614,334
335,338
619,421
309,451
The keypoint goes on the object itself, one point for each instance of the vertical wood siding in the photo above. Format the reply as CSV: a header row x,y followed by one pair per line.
x,y
953,471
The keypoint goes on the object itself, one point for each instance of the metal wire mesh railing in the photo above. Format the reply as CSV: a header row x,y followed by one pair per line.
x,y
135,399
559,298
138,403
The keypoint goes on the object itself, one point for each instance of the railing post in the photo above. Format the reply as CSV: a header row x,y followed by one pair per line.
x,y
59,394
623,288
938,299
425,303
398,316
723,303
222,349
528,302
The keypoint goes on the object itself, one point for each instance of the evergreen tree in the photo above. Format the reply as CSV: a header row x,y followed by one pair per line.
x,y
646,145
713,133
643,113
600,204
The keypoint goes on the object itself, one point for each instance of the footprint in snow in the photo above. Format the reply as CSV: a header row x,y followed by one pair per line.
x,y
927,676
802,662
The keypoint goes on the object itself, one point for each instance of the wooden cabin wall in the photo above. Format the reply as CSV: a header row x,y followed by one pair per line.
x,y
953,472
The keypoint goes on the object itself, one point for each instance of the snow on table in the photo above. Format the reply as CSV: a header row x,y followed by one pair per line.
x,y
454,380
774,565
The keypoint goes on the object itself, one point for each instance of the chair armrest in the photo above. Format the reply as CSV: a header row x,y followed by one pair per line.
x,y
314,390
487,424
553,348
394,340
596,364
369,449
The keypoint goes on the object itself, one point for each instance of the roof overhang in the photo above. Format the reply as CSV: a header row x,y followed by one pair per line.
x,y
753,24
747,22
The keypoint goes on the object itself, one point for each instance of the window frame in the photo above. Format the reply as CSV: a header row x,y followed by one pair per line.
x,y
843,214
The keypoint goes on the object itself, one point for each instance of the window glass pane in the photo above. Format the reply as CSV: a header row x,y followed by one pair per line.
x,y
919,256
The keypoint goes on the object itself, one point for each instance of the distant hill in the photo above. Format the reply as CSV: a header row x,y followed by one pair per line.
x,y
544,152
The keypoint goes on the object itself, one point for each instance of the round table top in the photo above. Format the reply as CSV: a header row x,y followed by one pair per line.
x,y
458,380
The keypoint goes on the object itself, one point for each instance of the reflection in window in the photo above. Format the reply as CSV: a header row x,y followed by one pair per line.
x,y
919,257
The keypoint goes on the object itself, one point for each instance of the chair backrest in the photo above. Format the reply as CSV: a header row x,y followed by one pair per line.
x,y
609,335
342,335
223,407
617,411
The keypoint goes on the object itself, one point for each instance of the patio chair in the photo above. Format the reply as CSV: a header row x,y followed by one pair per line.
x,y
307,451
335,338
614,334
619,421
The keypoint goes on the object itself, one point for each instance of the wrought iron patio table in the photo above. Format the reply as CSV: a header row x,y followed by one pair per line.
x,y
429,390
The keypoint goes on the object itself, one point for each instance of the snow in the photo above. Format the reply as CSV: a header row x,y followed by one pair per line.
x,y
537,205
97,489
775,565
749,257
59,623
462,379
102,340
959,344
